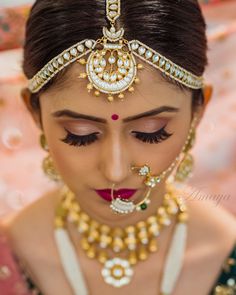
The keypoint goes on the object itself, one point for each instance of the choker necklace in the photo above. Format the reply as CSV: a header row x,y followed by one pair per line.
x,y
133,243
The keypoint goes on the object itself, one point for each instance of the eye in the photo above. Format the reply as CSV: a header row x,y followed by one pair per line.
x,y
154,137
80,140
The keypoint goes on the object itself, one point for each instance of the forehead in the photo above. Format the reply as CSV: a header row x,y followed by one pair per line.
x,y
152,91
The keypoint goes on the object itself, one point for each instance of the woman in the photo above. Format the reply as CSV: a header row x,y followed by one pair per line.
x,y
117,91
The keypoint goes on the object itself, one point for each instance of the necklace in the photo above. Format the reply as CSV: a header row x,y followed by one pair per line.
x,y
138,240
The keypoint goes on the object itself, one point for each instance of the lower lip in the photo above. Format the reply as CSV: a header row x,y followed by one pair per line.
x,y
123,194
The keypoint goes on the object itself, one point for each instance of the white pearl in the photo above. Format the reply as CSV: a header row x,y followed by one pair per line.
x,y
141,50
89,43
112,60
120,62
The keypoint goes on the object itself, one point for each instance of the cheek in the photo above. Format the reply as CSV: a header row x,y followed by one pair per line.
x,y
74,164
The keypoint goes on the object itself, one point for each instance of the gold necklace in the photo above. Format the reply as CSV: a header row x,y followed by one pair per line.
x,y
135,242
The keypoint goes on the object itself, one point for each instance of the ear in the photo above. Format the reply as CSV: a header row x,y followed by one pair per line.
x,y
207,95
26,95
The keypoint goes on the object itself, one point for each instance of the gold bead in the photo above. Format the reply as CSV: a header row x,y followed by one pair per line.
x,y
183,217
82,61
142,253
91,252
133,258
110,98
89,86
117,245
131,242
75,207
94,224
59,223
85,244
140,66
83,226
142,235
93,236
161,211
152,219
100,75
141,224
131,89
97,93
117,231
73,216
137,80
152,247
84,217
154,229
105,241
105,229
61,212
130,229
82,75
119,77
121,96
164,220
102,257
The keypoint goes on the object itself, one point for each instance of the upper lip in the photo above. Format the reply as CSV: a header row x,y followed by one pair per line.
x,y
123,192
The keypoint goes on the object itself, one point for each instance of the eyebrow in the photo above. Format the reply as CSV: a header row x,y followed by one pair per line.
x,y
74,115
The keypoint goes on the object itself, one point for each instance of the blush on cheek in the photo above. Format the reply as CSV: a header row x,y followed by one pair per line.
x,y
74,168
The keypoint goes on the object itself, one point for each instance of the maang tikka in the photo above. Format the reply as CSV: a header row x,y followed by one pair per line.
x,y
111,66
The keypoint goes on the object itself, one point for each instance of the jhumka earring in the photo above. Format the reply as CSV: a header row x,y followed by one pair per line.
x,y
47,165
185,168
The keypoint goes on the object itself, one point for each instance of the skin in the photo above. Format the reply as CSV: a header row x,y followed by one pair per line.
x,y
108,161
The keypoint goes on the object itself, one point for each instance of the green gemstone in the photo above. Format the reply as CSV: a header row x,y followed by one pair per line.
x,y
143,206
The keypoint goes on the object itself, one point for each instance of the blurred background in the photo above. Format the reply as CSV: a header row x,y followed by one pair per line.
x,y
21,177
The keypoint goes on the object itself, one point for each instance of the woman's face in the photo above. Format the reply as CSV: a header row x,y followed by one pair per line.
x,y
101,150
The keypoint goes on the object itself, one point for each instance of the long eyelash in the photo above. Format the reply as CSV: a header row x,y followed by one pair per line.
x,y
77,140
155,137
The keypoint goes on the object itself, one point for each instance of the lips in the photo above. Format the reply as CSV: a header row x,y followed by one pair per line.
x,y
121,193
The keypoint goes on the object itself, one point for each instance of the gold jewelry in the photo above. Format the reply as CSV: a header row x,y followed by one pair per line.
x,y
185,167
133,243
47,164
111,67
122,206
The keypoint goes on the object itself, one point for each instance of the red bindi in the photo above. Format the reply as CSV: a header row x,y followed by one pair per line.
x,y
115,117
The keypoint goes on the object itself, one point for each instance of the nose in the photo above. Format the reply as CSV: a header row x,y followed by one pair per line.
x,y
115,161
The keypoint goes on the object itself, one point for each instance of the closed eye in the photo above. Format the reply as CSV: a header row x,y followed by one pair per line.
x,y
154,137
80,140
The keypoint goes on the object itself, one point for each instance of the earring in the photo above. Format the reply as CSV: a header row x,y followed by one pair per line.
x,y
47,164
185,168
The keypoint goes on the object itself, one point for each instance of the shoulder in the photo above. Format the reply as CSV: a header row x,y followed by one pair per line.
x,y
211,235
211,225
32,225
210,241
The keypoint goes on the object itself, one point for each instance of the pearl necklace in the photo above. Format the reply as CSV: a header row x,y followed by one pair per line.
x,y
140,241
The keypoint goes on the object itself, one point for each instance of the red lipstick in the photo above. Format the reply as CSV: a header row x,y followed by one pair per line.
x,y
121,193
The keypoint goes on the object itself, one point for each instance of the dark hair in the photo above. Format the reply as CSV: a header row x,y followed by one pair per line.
x,y
175,28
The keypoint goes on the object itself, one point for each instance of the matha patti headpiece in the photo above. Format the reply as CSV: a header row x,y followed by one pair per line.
x,y
111,67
